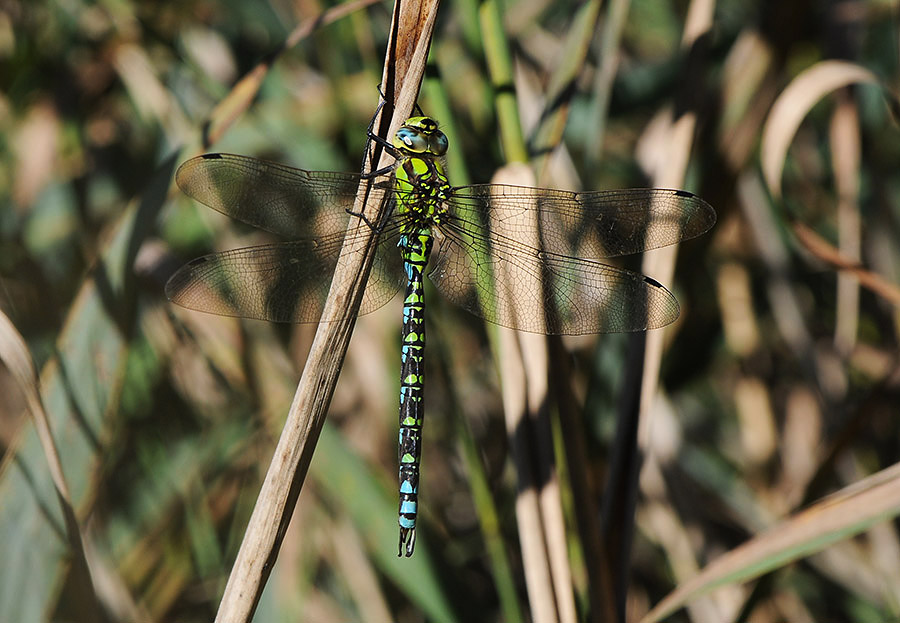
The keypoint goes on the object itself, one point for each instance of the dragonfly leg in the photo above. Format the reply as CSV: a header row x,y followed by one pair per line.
x,y
366,220
378,228
382,171
372,137
383,142
381,104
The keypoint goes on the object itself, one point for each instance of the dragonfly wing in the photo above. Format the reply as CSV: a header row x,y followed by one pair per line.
x,y
282,282
523,288
290,202
590,224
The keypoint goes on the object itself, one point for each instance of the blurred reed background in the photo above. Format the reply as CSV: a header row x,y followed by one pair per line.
x,y
778,384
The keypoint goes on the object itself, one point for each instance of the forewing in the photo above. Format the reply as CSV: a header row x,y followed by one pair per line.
x,y
526,258
590,225
293,203
283,282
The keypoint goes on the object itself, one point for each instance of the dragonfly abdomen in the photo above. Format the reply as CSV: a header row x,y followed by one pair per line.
x,y
415,248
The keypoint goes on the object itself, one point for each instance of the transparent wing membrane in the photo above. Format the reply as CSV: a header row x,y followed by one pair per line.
x,y
524,258
592,225
282,282
289,202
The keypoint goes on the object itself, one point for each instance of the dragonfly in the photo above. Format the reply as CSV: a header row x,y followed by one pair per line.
x,y
524,258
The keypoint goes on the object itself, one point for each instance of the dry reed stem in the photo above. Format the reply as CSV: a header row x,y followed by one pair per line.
x,y
411,32
846,154
522,362
660,263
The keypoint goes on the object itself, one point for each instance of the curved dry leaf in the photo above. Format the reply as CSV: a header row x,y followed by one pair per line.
x,y
840,516
825,251
794,104
14,353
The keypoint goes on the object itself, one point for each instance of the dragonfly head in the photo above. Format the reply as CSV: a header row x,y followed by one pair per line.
x,y
420,135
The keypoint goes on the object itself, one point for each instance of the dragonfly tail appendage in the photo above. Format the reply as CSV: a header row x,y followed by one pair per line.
x,y
408,539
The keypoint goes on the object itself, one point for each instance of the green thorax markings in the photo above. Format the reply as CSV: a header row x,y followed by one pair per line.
x,y
419,179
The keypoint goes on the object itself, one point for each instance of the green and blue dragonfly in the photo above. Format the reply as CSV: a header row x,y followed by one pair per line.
x,y
523,258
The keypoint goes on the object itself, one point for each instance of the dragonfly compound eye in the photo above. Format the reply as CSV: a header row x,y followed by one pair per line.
x,y
410,140
438,143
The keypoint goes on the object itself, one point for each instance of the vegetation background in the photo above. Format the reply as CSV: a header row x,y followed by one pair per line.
x,y
778,385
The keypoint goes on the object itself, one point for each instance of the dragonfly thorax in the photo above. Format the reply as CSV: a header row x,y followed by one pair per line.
x,y
420,182
421,188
